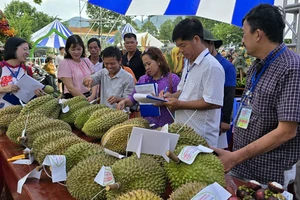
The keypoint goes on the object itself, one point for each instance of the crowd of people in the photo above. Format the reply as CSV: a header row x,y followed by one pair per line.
x,y
266,140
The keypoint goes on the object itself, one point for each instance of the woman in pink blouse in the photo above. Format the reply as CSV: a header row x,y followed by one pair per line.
x,y
74,68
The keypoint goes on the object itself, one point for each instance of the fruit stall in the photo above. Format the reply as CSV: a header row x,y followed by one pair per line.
x,y
82,132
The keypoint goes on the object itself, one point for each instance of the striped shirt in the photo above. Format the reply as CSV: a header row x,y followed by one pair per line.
x,y
275,98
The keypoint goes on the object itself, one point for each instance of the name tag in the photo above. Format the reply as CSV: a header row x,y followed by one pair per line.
x,y
244,117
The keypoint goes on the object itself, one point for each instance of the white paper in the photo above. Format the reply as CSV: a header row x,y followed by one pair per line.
x,y
222,142
28,161
33,174
112,153
64,108
189,153
287,195
27,86
212,192
165,128
151,142
146,98
105,176
147,88
58,166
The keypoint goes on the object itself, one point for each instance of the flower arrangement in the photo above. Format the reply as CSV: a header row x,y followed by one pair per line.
x,y
5,30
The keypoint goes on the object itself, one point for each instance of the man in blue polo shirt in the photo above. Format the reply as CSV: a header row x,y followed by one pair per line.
x,y
230,79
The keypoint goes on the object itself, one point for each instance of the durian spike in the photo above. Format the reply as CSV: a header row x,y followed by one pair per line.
x,y
114,186
39,168
172,156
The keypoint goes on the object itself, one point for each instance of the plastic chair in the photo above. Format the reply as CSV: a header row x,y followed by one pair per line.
x,y
229,133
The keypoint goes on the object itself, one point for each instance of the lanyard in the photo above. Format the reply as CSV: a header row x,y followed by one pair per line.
x,y
254,80
188,70
15,75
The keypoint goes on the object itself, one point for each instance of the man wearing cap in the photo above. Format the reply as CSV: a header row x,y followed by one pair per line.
x,y
230,79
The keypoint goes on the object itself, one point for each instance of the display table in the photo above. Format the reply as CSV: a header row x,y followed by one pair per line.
x,y
42,189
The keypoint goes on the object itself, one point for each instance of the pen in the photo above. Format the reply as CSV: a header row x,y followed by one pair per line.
x,y
166,90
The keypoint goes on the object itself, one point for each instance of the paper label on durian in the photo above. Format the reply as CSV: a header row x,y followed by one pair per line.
x,y
58,167
105,176
188,154
212,192
165,128
287,195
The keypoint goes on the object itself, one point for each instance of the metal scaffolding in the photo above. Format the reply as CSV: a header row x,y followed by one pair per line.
x,y
294,26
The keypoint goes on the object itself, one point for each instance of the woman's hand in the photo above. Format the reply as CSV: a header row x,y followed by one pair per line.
x,y
91,98
11,88
39,92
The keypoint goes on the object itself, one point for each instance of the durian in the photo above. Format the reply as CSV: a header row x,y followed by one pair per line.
x,y
97,127
116,137
49,136
187,135
206,168
57,147
85,113
43,127
187,191
70,116
138,173
80,181
139,195
78,152
16,127
7,115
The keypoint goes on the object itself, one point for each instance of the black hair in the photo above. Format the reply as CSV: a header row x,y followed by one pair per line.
x,y
94,40
49,58
187,29
129,35
111,52
267,18
60,48
11,46
74,39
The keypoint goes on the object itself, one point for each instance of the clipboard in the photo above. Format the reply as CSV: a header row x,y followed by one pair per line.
x,y
147,98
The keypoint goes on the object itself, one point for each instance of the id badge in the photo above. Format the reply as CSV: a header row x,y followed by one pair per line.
x,y
244,117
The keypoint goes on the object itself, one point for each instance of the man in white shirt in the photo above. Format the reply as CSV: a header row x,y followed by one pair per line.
x,y
60,57
200,92
94,48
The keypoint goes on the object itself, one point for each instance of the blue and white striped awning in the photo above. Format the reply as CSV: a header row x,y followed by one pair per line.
x,y
228,11
54,40
126,29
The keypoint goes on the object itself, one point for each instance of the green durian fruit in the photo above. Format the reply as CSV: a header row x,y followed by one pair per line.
x,y
56,112
100,113
97,127
187,135
41,128
116,137
75,100
49,136
80,181
134,173
16,127
85,113
139,195
78,152
7,115
48,89
34,104
207,169
57,147
187,191
48,108
70,116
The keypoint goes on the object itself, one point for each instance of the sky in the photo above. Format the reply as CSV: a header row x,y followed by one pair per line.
x,y
63,9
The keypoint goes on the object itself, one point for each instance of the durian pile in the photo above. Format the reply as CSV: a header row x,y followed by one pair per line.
x,y
48,132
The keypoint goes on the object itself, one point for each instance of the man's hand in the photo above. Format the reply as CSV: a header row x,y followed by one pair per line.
x,y
224,127
88,81
121,105
113,99
11,88
173,104
227,158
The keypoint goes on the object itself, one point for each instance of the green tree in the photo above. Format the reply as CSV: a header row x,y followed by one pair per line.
x,y
208,24
150,28
25,18
106,20
166,30
177,20
228,33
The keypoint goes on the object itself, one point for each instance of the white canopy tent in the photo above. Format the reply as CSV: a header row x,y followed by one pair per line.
x,y
152,41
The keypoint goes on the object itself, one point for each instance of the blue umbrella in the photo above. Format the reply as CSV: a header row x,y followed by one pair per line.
x,y
126,29
229,11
